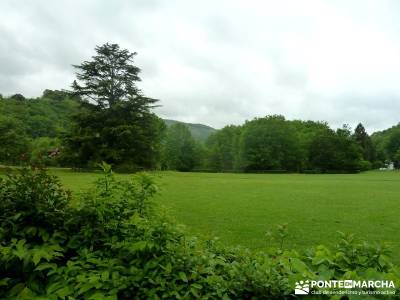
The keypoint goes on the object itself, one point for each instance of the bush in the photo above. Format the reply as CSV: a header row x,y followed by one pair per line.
x,y
365,165
113,243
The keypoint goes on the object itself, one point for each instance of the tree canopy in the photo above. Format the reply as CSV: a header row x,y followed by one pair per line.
x,y
116,124
109,77
13,140
273,143
364,141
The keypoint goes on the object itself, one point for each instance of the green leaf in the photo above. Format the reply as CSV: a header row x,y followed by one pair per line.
x,y
105,276
4,281
183,277
97,296
64,292
45,266
139,246
298,265
167,268
54,286
45,252
17,289
194,292
20,250
196,286
85,287
38,254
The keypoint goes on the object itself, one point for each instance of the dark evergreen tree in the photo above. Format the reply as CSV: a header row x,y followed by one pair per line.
x,y
18,97
364,141
116,125
109,77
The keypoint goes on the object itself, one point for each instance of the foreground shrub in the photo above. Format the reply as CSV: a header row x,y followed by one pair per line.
x,y
114,244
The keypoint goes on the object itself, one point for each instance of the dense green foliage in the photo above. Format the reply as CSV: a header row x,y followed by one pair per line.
x,y
14,140
26,123
33,128
268,144
46,116
113,243
45,151
335,151
275,144
129,136
388,145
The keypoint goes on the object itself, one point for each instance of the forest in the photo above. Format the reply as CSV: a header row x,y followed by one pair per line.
x,y
59,129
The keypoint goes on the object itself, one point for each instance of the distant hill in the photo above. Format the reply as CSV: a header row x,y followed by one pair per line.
x,y
40,117
199,131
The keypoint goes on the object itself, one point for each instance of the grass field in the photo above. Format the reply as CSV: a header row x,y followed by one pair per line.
x,y
240,208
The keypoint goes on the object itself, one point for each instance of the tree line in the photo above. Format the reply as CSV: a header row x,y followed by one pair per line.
x,y
106,117
273,143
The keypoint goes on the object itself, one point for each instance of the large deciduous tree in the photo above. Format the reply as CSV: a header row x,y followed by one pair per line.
x,y
269,143
116,124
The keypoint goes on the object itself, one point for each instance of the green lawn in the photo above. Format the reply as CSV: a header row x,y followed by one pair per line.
x,y
240,208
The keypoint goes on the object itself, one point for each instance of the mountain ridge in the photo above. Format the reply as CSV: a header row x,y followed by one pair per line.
x,y
199,131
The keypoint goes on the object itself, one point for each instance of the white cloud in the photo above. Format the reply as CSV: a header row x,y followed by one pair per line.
x,y
220,62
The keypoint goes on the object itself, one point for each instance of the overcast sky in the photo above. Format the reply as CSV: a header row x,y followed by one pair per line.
x,y
220,62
